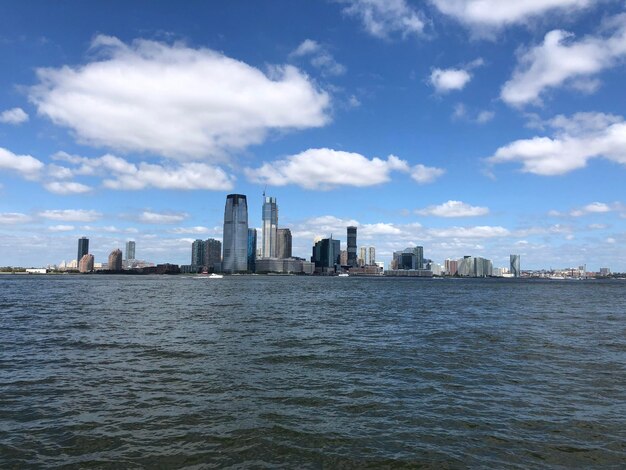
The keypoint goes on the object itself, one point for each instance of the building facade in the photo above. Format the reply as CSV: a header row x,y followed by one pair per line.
x,y
197,253
83,248
252,250
86,263
515,266
352,260
115,260
270,227
130,250
212,253
372,256
326,254
235,239
362,261
283,243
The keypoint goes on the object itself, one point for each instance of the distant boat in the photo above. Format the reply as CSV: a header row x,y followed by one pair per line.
x,y
343,275
208,276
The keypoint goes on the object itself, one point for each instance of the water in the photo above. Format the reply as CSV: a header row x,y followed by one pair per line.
x,y
262,371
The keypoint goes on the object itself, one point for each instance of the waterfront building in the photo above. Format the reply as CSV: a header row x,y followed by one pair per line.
x,y
212,254
83,248
470,266
252,250
86,263
372,256
343,258
352,261
283,243
362,256
130,250
515,266
270,227
115,260
197,253
235,239
419,257
326,254
451,267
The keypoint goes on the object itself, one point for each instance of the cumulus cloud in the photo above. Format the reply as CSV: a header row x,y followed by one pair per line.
x,y
497,13
576,140
383,18
445,80
561,60
67,187
13,116
454,209
61,228
484,231
150,217
426,174
326,169
71,215
199,230
27,166
320,58
11,218
174,100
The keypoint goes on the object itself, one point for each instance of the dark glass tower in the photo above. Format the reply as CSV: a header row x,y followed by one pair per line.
x,y
235,246
352,261
252,250
83,248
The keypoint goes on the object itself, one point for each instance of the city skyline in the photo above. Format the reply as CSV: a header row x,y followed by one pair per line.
x,y
465,133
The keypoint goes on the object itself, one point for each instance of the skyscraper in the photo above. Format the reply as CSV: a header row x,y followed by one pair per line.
x,y
326,253
283,243
252,250
270,226
197,253
212,253
130,250
362,256
372,256
83,248
115,260
85,265
235,237
352,246
419,253
515,266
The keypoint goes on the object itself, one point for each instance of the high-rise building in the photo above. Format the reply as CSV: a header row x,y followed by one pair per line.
x,y
470,266
130,250
362,256
372,256
515,266
235,245
115,260
451,267
419,254
83,248
283,243
252,250
197,254
352,261
270,226
326,253
212,253
86,263
343,258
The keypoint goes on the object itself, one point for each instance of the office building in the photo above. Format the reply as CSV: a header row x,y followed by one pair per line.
x,y
326,254
86,263
352,261
270,227
362,261
451,267
419,257
197,253
83,248
470,266
130,250
235,239
372,256
343,258
212,253
515,266
283,243
252,250
115,260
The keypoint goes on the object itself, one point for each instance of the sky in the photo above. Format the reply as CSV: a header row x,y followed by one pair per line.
x,y
469,127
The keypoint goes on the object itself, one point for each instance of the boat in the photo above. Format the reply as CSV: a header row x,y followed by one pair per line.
x,y
343,275
208,276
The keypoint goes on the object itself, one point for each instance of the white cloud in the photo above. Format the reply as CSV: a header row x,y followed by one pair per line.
x,y
426,174
593,208
382,18
150,217
11,218
445,80
484,231
175,101
560,60
13,116
485,116
61,228
576,140
325,169
199,230
27,166
497,13
71,215
320,57
454,209
67,187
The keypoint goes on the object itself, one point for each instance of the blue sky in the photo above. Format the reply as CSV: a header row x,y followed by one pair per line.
x,y
469,127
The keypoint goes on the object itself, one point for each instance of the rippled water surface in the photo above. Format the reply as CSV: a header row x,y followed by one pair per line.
x,y
262,371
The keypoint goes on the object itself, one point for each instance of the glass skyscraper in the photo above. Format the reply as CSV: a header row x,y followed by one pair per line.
x,y
252,250
235,240
352,261
515,266
270,225
283,243
130,249
83,248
